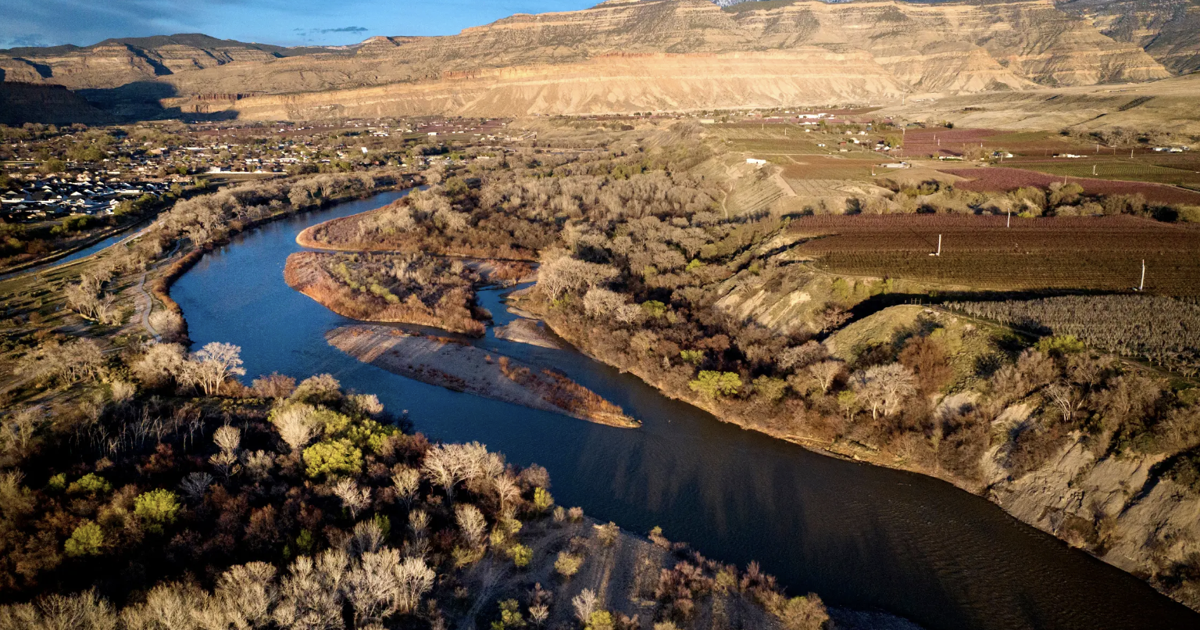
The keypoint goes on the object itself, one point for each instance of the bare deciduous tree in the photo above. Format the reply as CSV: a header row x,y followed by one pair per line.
x,y
214,363
406,481
354,497
885,387
295,425
311,594
161,365
826,373
471,522
584,604
196,484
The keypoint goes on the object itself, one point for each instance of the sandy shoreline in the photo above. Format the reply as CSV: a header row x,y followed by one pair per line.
x,y
527,331
465,368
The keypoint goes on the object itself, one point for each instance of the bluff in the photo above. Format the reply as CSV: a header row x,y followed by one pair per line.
x,y
619,56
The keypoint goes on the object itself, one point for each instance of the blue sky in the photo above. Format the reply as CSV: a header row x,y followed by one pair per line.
x,y
284,22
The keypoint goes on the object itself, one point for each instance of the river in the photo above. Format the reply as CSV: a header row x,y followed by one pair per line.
x,y
861,536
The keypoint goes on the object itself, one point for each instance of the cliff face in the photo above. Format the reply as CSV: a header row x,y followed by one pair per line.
x,y
53,104
689,54
1167,29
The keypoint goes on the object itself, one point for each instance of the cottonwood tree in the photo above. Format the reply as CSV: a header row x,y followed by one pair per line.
x,y
354,498
884,387
406,481
471,522
311,594
161,365
215,363
245,596
584,604
566,274
826,373
296,425
448,464
80,611
67,363
381,585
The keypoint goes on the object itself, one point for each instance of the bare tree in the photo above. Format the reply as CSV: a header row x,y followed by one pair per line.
x,y
169,605
295,425
584,604
445,466
406,481
81,611
471,522
1066,398
161,365
415,580
246,595
196,484
311,594
354,497
19,429
885,387
214,363
826,373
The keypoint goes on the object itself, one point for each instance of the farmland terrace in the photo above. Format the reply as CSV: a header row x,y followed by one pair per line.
x,y
1080,253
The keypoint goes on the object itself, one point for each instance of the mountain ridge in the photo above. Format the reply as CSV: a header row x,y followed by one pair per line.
x,y
779,52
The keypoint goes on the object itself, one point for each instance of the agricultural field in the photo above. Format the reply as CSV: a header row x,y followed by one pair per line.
x,y
955,142
1114,169
979,252
1003,179
1159,330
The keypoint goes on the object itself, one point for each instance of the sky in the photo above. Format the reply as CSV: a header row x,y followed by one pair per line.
x,y
282,22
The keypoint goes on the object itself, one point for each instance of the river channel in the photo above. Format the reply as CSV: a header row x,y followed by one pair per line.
x,y
861,536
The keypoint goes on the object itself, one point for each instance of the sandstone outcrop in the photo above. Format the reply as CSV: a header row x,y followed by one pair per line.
x,y
625,55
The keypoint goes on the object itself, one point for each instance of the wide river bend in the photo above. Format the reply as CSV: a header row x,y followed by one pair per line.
x,y
861,536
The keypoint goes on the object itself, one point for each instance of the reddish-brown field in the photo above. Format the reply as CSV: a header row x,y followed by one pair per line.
x,y
953,142
1001,179
980,252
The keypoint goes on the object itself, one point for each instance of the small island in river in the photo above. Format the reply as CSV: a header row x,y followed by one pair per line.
x,y
461,367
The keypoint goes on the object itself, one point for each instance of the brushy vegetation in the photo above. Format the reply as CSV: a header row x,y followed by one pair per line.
x,y
411,288
1160,330
182,498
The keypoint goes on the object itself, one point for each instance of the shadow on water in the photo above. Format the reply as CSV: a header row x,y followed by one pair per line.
x,y
861,536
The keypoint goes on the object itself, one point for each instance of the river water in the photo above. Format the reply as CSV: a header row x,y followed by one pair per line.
x,y
861,536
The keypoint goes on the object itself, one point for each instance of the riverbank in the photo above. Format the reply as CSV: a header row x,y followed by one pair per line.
x,y
160,287
1110,506
447,363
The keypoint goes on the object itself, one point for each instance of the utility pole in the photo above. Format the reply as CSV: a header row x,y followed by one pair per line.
x,y
1142,284
1093,170
1008,223
939,250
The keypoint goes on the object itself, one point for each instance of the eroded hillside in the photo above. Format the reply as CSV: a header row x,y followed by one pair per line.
x,y
621,56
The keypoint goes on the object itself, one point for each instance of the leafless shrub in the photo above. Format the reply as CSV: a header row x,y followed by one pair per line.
x,y
196,484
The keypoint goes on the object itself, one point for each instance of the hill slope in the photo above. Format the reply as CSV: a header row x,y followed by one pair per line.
x,y
621,55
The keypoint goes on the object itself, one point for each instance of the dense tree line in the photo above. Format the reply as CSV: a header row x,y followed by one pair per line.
x,y
411,288
172,495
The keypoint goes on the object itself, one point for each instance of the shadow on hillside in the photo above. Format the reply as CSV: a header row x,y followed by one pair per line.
x,y
142,100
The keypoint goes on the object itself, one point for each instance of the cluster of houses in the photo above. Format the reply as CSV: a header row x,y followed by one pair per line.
x,y
88,193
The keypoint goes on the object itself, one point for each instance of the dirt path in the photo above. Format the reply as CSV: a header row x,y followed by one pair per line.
x,y
145,305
